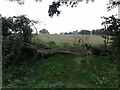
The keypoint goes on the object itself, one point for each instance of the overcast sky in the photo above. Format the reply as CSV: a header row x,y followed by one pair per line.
x,y
84,16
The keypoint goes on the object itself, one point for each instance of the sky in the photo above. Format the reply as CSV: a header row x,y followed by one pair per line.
x,y
84,16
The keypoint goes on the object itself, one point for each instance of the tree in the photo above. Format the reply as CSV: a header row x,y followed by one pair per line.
x,y
98,32
18,25
113,4
85,32
53,9
16,34
6,24
112,29
44,31
93,32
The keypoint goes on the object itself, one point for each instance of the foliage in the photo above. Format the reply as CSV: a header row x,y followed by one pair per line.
x,y
43,31
112,4
98,32
6,24
53,9
16,33
17,25
113,30
12,46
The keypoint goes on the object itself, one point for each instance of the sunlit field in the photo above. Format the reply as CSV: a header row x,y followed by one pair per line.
x,y
58,38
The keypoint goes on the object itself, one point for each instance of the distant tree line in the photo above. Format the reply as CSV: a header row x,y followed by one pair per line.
x,y
86,32
43,31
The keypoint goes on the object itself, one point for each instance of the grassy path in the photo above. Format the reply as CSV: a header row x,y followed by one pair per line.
x,y
65,70
72,71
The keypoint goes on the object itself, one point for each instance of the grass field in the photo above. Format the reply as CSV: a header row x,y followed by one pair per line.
x,y
58,38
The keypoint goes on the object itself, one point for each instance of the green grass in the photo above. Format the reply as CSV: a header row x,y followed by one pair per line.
x,y
74,71
68,71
